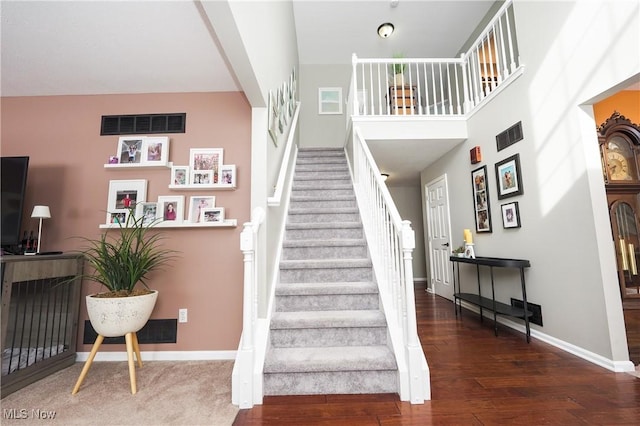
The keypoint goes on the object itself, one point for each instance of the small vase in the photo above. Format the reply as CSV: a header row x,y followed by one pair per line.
x,y
398,80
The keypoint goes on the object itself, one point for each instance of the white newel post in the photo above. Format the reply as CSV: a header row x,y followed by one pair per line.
x,y
245,355
413,349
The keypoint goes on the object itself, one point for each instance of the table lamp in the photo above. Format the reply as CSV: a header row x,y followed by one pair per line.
x,y
40,212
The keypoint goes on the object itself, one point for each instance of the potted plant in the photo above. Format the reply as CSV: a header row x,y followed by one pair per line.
x,y
120,260
398,70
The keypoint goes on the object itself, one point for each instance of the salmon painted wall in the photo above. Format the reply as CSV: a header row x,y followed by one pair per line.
x,y
61,135
626,103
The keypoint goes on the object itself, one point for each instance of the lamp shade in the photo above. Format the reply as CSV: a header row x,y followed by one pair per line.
x,y
41,212
385,30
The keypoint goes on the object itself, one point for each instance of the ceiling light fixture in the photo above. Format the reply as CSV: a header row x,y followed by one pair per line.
x,y
385,30
385,176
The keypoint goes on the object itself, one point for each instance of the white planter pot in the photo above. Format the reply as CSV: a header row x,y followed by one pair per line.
x,y
398,79
117,316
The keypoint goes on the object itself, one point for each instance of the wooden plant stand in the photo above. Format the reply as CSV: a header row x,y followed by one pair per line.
x,y
131,340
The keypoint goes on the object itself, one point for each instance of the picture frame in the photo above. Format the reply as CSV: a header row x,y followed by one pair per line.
x,y
155,150
509,177
196,205
201,177
170,208
510,215
228,175
119,216
273,119
212,215
130,149
481,205
124,195
330,100
148,212
202,159
180,175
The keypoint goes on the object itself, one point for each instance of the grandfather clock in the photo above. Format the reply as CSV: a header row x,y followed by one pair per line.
x,y
619,141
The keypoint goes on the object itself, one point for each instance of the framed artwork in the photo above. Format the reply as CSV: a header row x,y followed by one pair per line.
x,y
228,175
124,195
482,210
273,119
179,175
155,150
201,177
330,100
510,215
213,215
197,204
170,208
148,212
508,177
204,159
130,150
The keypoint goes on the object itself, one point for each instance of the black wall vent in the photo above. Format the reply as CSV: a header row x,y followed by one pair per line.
x,y
155,331
143,124
535,309
510,136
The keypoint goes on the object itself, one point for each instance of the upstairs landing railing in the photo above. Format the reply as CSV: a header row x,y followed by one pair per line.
x,y
391,243
441,87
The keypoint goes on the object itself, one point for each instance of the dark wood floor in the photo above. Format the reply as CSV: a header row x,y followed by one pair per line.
x,y
476,379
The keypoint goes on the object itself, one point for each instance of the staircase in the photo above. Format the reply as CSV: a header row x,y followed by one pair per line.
x,y
328,334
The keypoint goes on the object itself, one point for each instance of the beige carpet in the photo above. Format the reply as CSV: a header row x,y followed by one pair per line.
x,y
169,393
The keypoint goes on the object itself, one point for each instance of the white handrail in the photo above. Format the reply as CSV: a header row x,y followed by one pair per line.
x,y
276,199
391,243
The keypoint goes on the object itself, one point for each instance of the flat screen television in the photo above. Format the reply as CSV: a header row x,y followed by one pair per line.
x,y
14,184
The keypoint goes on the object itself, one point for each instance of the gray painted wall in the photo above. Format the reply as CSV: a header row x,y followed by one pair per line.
x,y
409,204
315,129
565,227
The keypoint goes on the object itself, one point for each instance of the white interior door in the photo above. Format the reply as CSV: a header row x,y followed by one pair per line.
x,y
439,237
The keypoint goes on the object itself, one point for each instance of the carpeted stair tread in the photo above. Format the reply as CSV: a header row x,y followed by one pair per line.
x,y
324,225
324,359
325,264
312,187
328,319
317,197
323,210
296,289
324,243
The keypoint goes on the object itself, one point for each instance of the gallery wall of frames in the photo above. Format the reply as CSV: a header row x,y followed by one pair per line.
x,y
205,174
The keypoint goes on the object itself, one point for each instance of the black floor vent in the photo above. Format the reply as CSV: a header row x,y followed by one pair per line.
x,y
536,318
143,124
155,331
510,136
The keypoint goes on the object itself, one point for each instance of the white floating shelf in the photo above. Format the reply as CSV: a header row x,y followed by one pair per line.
x,y
121,166
228,223
203,186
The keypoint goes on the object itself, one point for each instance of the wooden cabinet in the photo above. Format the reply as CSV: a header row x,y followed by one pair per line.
x,y
402,100
40,308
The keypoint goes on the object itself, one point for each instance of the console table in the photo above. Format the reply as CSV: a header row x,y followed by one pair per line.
x,y
498,308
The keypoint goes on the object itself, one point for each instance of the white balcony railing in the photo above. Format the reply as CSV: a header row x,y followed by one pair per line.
x,y
437,87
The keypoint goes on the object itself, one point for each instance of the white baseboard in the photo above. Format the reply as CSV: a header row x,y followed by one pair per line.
x,y
162,356
609,364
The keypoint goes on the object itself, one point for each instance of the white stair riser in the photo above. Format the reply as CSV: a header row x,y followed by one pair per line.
x,y
346,382
325,337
